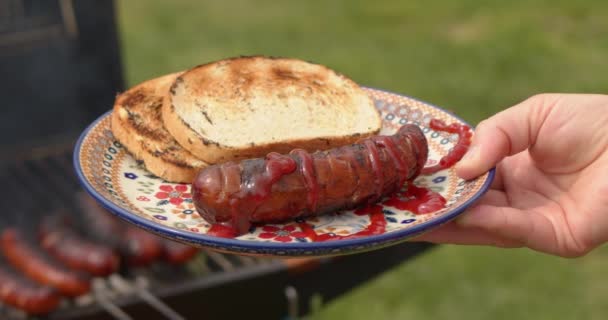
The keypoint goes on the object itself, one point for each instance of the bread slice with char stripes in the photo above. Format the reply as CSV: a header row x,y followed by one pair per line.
x,y
136,123
247,107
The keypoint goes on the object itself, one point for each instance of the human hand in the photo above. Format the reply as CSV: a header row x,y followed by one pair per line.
x,y
550,192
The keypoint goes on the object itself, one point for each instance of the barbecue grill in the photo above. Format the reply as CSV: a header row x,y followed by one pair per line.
x,y
39,129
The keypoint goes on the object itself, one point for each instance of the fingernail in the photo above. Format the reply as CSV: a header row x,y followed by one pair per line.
x,y
471,153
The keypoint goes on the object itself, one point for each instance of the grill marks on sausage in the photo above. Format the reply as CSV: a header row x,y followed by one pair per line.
x,y
338,178
358,167
307,169
32,262
74,251
391,150
374,159
256,188
21,293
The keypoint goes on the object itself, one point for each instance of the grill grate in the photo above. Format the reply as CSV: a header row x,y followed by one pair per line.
x,y
213,285
45,183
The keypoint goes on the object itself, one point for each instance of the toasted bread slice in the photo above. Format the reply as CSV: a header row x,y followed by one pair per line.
x,y
249,106
136,123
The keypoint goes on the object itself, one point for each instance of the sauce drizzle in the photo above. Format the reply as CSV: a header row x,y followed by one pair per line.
x,y
222,230
417,200
257,189
374,158
389,144
377,225
461,147
308,172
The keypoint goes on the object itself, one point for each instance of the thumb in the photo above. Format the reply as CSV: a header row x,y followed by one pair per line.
x,y
506,133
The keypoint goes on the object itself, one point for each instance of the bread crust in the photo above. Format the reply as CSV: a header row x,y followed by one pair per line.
x,y
136,123
200,100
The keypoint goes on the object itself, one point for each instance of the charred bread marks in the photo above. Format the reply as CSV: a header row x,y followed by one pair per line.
x,y
247,107
137,124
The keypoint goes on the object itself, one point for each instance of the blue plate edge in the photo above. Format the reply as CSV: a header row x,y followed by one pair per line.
x,y
285,248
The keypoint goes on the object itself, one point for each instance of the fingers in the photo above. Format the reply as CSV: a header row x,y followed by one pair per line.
x,y
497,183
506,133
493,198
452,233
528,228
500,227
455,233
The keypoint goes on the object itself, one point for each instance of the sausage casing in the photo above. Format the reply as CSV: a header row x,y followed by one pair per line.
x,y
19,292
28,259
137,247
281,187
62,242
177,253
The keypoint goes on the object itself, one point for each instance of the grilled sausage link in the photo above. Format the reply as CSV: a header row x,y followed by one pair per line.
x,y
141,247
28,259
177,253
137,246
19,292
59,239
282,187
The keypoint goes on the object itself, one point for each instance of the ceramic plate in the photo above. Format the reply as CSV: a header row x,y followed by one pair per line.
x,y
123,186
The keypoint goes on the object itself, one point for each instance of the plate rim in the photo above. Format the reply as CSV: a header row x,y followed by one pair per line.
x,y
286,248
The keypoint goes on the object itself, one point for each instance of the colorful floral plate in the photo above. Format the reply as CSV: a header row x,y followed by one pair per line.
x,y
123,186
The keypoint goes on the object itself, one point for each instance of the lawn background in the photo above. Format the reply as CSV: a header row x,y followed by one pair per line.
x,y
473,57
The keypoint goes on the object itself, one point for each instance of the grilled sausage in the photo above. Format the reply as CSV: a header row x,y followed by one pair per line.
x,y
141,247
59,239
137,247
28,259
282,187
19,292
177,253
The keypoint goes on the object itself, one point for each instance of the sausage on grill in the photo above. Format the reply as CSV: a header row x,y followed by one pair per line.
x,y
177,253
59,239
141,248
137,246
281,187
19,292
29,260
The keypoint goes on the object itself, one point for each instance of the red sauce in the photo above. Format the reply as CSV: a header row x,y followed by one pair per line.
x,y
377,225
417,200
277,165
222,231
374,158
461,147
308,172
389,144
257,189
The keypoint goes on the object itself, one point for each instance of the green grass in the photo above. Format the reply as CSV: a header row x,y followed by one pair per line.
x,y
474,57
482,283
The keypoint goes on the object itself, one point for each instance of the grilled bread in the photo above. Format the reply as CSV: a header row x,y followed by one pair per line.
x,y
136,123
249,106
